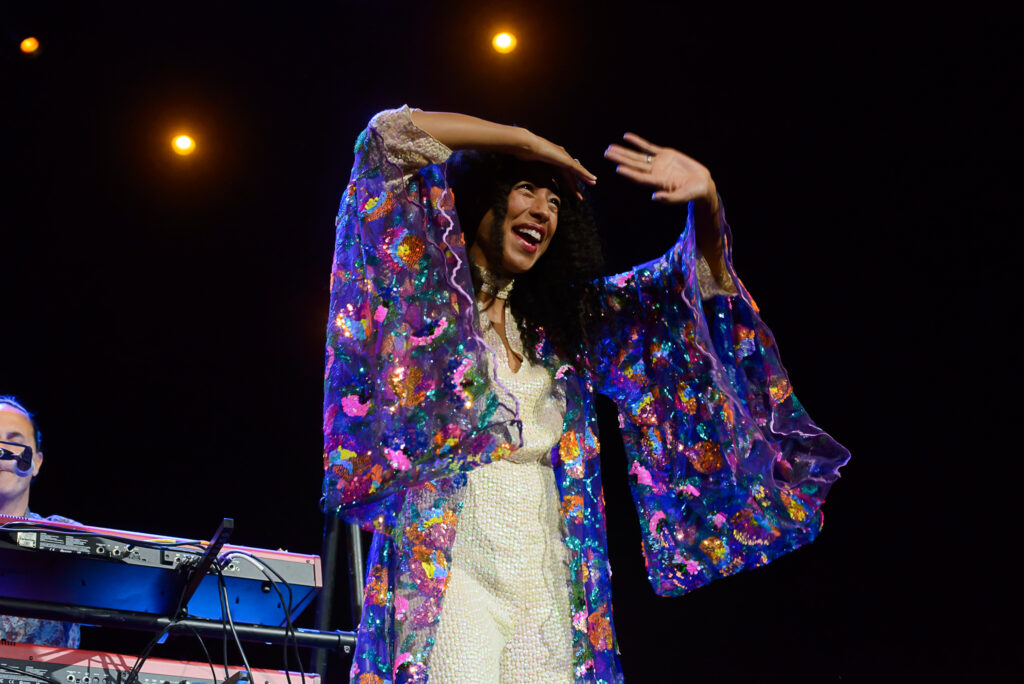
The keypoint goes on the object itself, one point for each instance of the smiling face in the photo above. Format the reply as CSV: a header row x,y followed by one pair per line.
x,y
15,426
531,218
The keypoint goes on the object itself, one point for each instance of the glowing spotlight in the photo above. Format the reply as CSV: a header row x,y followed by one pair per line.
x,y
30,45
183,145
504,42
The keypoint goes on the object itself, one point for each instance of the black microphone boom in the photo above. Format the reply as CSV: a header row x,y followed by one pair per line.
x,y
23,459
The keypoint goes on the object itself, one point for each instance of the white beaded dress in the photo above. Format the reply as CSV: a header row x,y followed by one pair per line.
x,y
506,610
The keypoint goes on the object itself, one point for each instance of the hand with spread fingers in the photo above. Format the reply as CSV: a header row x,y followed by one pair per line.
x,y
676,177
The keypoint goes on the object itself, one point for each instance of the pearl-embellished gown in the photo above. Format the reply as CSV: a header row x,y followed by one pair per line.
x,y
505,617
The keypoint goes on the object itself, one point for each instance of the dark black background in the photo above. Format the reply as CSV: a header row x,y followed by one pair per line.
x,y
165,316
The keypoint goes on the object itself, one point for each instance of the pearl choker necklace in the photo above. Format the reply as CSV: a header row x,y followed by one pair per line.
x,y
490,284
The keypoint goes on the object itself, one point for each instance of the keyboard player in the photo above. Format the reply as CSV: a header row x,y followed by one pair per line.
x,y
19,426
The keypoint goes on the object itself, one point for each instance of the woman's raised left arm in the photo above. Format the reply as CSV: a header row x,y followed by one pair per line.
x,y
728,470
677,179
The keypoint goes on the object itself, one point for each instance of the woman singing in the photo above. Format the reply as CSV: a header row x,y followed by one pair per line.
x,y
468,335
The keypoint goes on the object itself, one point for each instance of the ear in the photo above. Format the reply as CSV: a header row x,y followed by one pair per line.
x,y
37,463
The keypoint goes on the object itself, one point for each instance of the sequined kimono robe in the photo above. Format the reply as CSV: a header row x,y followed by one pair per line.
x,y
727,470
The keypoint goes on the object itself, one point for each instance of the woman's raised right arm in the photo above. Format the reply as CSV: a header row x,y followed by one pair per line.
x,y
460,131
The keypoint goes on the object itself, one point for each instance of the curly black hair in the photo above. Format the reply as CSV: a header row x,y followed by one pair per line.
x,y
549,300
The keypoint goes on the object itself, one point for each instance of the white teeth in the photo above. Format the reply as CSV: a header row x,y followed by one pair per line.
x,y
532,233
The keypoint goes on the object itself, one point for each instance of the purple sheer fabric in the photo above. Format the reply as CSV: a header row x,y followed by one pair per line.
x,y
727,470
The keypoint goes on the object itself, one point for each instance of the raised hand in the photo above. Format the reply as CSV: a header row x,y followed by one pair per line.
x,y
543,150
675,177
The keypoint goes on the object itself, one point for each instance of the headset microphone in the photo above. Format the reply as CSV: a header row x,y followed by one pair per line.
x,y
22,461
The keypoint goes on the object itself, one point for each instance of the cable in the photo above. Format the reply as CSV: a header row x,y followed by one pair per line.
x,y
198,546
288,629
129,542
26,673
231,623
289,624
227,610
224,626
206,652
133,674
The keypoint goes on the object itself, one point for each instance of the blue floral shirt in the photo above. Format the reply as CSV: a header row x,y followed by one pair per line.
x,y
33,630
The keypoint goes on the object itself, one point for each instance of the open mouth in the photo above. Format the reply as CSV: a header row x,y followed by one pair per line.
x,y
529,236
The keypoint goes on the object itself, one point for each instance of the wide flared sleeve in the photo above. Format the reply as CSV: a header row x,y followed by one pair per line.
x,y
727,470
406,395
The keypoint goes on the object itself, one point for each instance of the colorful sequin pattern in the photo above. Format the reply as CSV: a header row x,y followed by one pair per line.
x,y
727,470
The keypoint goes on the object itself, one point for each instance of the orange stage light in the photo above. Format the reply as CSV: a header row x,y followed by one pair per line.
x,y
30,45
504,42
183,145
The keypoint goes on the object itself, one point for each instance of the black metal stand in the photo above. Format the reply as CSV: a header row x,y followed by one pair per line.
x,y
356,570
325,600
329,561
310,638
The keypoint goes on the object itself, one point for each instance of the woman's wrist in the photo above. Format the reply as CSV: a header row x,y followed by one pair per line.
x,y
707,227
709,199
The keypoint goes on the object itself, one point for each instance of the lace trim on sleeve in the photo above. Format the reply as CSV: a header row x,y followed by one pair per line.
x,y
407,146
